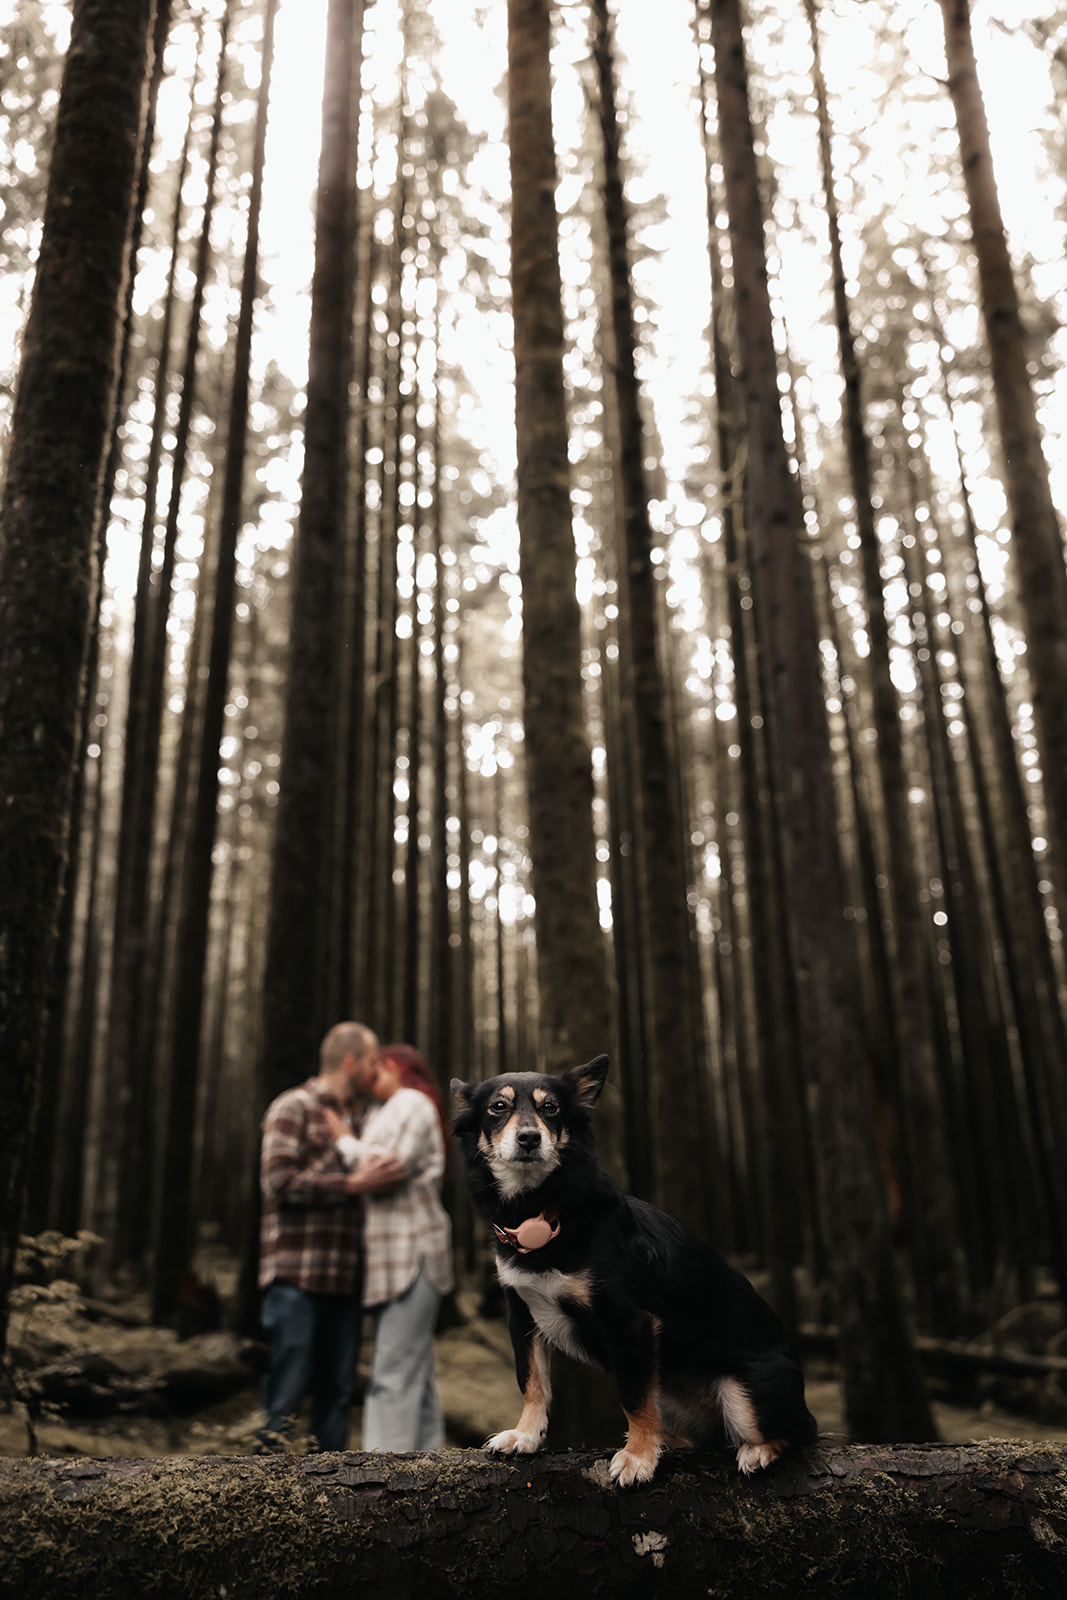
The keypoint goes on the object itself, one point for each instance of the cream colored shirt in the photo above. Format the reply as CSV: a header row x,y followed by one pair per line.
x,y
406,1227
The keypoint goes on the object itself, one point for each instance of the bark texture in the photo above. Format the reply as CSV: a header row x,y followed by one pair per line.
x,y
573,981
48,562
905,1062
298,960
172,1211
883,1388
670,1037
934,1520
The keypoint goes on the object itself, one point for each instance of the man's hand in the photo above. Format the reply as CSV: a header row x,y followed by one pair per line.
x,y
376,1174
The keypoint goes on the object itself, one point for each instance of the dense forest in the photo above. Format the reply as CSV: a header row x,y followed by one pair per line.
x,y
542,537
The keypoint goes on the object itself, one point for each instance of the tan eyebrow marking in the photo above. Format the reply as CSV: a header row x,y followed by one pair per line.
x,y
541,1095
506,1092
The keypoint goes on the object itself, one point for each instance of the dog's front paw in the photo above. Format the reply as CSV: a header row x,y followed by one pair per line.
x,y
514,1443
751,1457
630,1466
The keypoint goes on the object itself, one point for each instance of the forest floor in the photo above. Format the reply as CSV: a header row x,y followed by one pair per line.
x,y
475,1378
117,1386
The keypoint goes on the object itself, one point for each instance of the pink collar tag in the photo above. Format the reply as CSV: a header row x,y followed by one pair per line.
x,y
532,1234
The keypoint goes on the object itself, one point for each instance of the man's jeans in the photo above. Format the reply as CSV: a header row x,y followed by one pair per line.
x,y
314,1346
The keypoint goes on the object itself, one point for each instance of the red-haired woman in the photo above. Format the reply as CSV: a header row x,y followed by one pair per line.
x,y
407,1241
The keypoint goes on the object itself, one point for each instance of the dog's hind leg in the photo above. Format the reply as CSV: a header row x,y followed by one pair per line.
x,y
531,1369
743,1429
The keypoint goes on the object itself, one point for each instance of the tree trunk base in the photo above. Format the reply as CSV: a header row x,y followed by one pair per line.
x,y
867,1521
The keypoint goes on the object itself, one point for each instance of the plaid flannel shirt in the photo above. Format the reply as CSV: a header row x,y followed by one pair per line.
x,y
406,1227
312,1228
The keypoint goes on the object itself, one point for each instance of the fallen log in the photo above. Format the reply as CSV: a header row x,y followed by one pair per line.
x,y
159,1374
936,1354
863,1521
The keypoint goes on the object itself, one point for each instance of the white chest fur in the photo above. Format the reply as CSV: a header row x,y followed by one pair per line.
x,y
547,1295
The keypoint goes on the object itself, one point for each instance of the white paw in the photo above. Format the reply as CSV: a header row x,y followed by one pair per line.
x,y
514,1443
751,1457
628,1467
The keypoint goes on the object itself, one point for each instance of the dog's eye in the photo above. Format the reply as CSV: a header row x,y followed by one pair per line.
x,y
549,1107
498,1107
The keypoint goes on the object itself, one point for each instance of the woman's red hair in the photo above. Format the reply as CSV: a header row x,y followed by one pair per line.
x,y
414,1073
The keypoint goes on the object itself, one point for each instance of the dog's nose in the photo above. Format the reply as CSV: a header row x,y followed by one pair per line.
x,y
528,1138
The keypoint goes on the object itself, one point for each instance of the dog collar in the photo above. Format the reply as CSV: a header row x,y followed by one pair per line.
x,y
531,1234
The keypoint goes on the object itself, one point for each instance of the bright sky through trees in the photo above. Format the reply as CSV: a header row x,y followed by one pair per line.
x,y
886,96
894,149
905,125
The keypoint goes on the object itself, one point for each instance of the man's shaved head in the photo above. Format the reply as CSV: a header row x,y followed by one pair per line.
x,y
346,1039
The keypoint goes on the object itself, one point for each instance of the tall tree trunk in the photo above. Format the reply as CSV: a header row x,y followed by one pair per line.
x,y
72,1140
1037,537
48,519
1027,956
411,976
883,1388
674,1067
775,1031
959,1106
172,1209
907,1055
47,1126
124,1153
303,879
440,1037
123,1062
350,934
379,847
624,937
573,980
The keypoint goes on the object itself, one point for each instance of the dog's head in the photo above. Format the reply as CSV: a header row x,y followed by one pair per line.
x,y
522,1123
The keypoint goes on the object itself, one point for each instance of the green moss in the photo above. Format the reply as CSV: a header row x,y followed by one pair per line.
x,y
457,1523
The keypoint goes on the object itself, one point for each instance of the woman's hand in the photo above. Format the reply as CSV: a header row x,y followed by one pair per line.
x,y
336,1124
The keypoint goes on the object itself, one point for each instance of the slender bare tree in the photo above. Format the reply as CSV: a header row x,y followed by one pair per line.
x,y
573,980
303,877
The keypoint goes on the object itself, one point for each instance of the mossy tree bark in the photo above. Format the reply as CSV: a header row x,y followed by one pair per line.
x,y
49,569
935,1520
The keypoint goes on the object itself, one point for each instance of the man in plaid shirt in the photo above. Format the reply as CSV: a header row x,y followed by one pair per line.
x,y
310,1260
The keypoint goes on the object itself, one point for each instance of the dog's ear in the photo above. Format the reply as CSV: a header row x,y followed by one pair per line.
x,y
462,1091
588,1081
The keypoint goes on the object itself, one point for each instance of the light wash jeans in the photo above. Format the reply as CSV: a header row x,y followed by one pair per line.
x,y
401,1408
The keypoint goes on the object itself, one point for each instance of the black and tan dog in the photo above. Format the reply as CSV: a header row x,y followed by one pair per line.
x,y
698,1356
